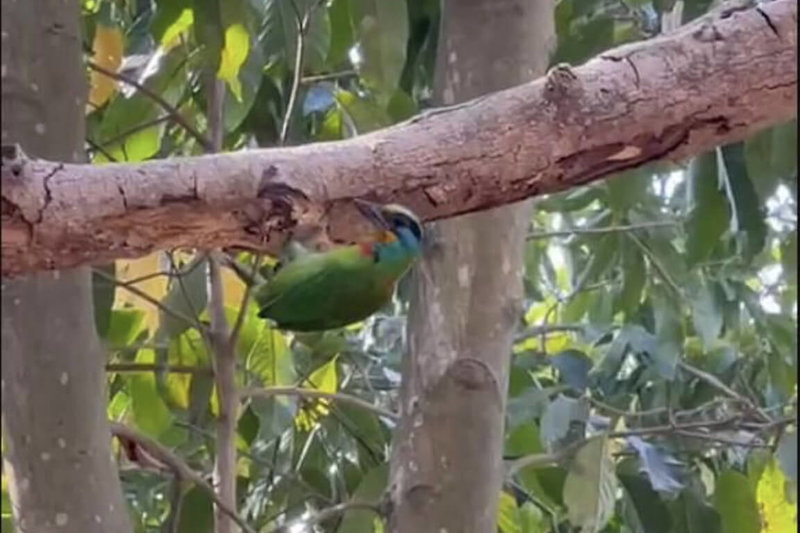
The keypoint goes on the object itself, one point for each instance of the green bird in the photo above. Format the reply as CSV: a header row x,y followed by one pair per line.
x,y
317,291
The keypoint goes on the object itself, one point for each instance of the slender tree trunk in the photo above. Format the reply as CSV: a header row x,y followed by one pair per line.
x,y
58,453
447,458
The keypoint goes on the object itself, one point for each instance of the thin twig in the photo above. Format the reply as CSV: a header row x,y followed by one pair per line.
x,y
180,467
146,297
298,72
268,392
660,270
720,386
97,148
536,331
330,512
158,99
154,367
327,77
543,459
600,231
719,439
135,129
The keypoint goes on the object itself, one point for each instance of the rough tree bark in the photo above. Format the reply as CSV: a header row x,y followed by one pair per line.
x,y
58,452
712,82
446,467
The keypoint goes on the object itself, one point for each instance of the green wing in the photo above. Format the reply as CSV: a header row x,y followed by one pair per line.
x,y
322,291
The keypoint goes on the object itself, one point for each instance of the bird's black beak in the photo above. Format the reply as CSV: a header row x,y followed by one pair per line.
x,y
373,212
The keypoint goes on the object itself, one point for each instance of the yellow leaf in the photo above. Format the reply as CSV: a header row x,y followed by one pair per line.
x,y
778,515
234,54
181,24
108,48
323,379
233,288
155,287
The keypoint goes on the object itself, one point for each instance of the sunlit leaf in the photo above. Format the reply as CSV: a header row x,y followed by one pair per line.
x,y
508,516
234,54
324,379
184,21
777,514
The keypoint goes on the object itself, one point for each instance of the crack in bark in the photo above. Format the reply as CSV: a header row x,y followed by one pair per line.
x,y
768,21
122,195
48,195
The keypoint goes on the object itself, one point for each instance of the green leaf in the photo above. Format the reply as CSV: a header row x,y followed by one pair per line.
x,y
208,30
280,33
709,213
124,114
789,258
574,367
541,482
748,216
342,32
559,416
634,274
735,501
125,326
771,155
669,333
644,506
264,350
585,38
691,515
103,292
627,189
370,490
590,487
707,314
382,31
197,512
187,295
362,115
603,256
532,519
508,516
778,515
150,412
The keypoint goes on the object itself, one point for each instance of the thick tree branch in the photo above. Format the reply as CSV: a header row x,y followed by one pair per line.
x,y
712,82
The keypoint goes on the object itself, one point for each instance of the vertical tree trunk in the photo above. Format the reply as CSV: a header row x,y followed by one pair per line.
x,y
58,453
446,470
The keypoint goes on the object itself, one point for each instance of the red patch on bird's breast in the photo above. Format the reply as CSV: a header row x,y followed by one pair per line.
x,y
366,249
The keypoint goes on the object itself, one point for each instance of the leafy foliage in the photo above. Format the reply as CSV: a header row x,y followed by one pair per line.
x,y
661,304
